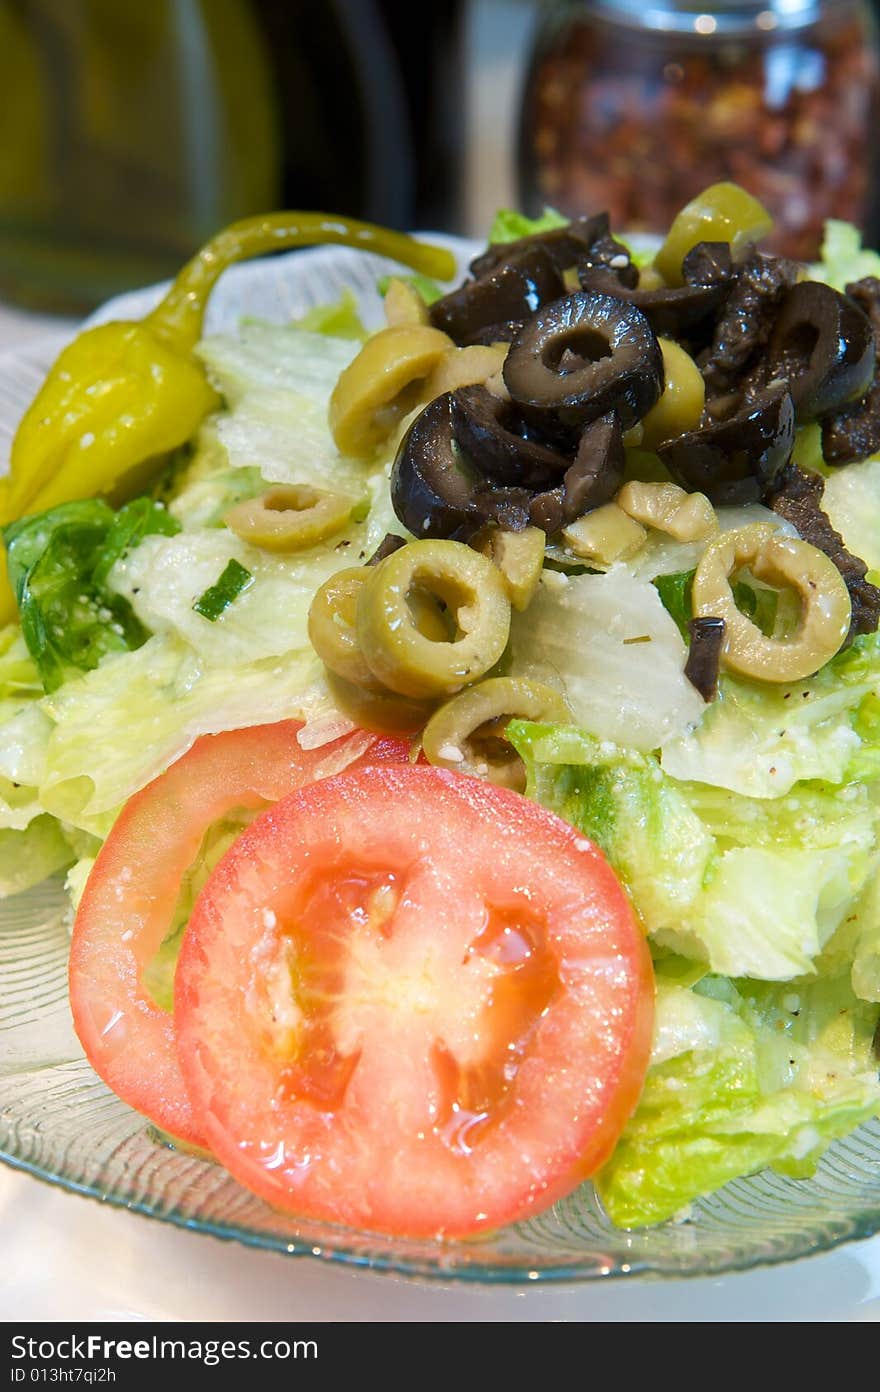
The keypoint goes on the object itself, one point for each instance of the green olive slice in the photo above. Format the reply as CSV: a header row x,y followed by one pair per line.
x,y
333,627
289,517
467,733
681,402
401,656
519,558
786,562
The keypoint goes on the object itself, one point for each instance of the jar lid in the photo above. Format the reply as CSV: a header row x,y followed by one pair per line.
x,y
716,17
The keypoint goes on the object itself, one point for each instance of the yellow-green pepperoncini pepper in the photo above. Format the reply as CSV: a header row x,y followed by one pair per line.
x,y
123,394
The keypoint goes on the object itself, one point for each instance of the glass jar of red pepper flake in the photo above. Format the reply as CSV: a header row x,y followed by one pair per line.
x,y
634,107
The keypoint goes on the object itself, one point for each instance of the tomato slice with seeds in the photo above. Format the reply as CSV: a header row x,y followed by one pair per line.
x,y
412,1002
136,902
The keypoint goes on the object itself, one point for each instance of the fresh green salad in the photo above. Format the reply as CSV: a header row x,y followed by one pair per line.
x,y
674,675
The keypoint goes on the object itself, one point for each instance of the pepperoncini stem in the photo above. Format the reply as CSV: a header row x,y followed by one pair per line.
x,y
178,319
124,394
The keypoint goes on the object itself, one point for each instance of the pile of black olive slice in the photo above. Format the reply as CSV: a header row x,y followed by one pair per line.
x,y
584,366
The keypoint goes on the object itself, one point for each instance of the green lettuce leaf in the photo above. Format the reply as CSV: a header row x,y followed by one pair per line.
x,y
510,225
31,855
622,801
58,566
176,697
741,1079
429,289
852,501
338,320
750,887
19,678
761,740
861,944
277,382
844,259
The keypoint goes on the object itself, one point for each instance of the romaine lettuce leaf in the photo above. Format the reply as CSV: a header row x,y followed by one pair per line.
x,y
760,740
740,1079
861,945
31,855
429,289
757,603
750,887
622,801
509,225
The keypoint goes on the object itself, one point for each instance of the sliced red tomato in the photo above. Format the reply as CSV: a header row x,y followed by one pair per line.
x,y
134,890
412,1002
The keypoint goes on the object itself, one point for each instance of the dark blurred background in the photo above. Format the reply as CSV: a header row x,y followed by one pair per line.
x,y
129,133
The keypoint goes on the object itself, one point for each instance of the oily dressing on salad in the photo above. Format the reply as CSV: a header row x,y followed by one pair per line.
x,y
462,740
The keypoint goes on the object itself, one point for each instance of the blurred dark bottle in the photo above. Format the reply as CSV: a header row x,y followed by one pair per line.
x,y
428,40
370,100
129,133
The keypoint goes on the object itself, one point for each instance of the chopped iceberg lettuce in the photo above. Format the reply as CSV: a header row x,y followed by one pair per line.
x,y
22,765
19,679
607,642
276,383
286,435
272,357
852,501
741,1078
177,698
164,578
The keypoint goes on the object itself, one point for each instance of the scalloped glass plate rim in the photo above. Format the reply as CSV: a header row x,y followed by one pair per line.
x,y
760,1221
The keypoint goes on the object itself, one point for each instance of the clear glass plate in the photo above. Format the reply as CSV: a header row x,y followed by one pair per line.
x,y
60,1123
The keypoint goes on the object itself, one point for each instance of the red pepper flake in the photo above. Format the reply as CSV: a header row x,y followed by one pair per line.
x,y
636,121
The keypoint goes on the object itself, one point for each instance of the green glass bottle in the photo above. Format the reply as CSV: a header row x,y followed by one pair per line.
x,y
128,134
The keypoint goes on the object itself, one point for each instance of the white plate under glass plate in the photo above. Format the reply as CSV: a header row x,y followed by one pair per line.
x,y
59,1122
